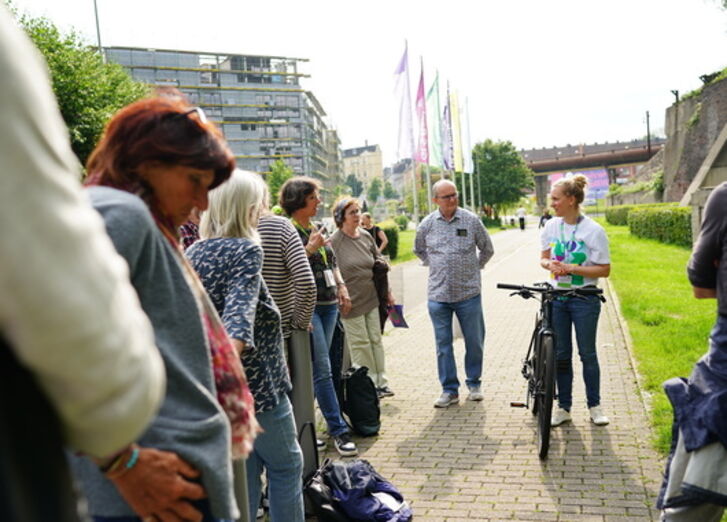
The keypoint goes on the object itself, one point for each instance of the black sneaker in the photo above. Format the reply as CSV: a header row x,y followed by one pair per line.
x,y
384,391
320,444
344,445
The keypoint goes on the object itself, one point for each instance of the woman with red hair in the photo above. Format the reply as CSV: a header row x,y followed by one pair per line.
x,y
156,161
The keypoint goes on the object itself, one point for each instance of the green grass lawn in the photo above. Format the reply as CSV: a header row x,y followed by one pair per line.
x,y
668,326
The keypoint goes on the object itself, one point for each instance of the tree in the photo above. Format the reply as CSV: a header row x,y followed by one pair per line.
x,y
389,192
88,90
356,185
503,174
374,190
279,174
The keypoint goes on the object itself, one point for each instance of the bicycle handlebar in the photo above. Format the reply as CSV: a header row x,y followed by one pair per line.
x,y
582,290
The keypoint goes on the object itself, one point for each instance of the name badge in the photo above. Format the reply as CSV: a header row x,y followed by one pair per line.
x,y
461,232
328,277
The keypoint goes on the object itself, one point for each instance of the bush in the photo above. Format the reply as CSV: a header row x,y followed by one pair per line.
x,y
619,214
491,222
391,229
668,224
402,221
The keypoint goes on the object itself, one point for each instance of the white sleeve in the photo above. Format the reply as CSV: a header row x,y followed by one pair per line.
x,y
599,251
66,305
546,235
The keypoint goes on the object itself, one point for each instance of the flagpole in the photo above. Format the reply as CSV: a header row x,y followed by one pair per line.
x,y
469,151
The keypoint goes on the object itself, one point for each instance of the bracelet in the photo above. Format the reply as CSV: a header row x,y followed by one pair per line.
x,y
122,464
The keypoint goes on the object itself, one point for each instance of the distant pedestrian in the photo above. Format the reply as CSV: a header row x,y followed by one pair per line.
x,y
574,249
521,213
694,487
544,218
376,232
447,240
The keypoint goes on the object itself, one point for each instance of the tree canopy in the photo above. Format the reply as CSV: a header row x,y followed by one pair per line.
x,y
88,90
279,174
374,190
389,192
356,185
503,174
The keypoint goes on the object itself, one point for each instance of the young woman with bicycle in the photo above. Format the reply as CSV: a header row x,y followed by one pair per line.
x,y
575,252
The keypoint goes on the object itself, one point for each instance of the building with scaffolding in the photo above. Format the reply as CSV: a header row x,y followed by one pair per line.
x,y
257,101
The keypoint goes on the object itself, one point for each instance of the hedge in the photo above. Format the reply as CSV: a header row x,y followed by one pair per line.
x,y
619,214
668,224
491,222
391,229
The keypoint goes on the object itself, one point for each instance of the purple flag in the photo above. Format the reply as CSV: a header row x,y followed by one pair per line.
x,y
405,139
447,144
421,108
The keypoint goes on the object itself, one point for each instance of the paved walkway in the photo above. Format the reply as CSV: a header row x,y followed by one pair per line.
x,y
478,461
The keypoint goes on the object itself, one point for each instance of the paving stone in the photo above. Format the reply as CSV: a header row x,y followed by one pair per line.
x,y
478,461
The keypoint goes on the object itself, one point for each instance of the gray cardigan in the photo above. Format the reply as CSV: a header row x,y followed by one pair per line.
x,y
190,422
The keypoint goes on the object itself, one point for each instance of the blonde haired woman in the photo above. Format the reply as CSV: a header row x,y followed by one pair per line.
x,y
229,260
575,252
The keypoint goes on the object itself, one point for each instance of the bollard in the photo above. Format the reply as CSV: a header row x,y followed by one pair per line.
x,y
300,362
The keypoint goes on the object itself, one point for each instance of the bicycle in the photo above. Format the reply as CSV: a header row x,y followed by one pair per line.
x,y
539,363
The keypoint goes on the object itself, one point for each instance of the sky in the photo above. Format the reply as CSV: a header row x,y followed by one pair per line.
x,y
536,73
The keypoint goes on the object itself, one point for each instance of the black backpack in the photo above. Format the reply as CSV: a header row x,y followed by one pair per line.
x,y
360,402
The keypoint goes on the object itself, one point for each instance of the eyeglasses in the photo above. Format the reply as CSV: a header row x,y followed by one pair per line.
x,y
448,196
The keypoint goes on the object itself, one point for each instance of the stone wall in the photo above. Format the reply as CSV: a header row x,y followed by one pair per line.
x,y
690,137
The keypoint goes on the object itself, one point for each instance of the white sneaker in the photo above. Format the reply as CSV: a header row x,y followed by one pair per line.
x,y
446,399
559,417
597,416
475,394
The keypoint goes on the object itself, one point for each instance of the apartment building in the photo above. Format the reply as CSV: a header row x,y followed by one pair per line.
x,y
257,101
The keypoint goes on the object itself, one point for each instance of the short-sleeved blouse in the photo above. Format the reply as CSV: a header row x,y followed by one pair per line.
x,y
230,270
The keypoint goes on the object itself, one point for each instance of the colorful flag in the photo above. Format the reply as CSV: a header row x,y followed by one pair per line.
x,y
456,133
467,139
405,138
421,108
447,157
435,125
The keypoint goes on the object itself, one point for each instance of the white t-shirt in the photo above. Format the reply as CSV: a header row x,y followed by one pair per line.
x,y
584,243
521,212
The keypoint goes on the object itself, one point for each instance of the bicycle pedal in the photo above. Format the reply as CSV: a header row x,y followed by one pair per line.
x,y
518,405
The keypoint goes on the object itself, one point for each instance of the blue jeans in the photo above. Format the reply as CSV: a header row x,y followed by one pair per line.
x,y
202,506
324,321
469,314
583,314
276,450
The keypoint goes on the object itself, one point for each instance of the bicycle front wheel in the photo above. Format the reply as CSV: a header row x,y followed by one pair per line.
x,y
546,391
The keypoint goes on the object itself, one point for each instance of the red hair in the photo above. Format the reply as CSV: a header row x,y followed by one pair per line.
x,y
163,129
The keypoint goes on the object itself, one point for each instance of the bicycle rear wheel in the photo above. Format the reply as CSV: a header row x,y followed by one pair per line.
x,y
545,393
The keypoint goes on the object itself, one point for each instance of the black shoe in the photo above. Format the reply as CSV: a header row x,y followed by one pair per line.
x,y
345,446
320,444
384,391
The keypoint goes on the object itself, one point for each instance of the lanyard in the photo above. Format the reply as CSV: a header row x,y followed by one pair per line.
x,y
570,243
321,250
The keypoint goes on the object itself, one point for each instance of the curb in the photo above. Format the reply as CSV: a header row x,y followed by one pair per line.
x,y
623,326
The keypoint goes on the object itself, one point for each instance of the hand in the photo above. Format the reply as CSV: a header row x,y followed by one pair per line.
x,y
344,302
310,327
316,240
390,301
557,267
158,487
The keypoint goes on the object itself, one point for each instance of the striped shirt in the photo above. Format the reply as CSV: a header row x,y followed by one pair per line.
x,y
287,272
450,248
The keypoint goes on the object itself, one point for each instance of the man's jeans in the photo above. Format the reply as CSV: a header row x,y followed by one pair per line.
x,y
583,314
324,321
276,451
469,314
